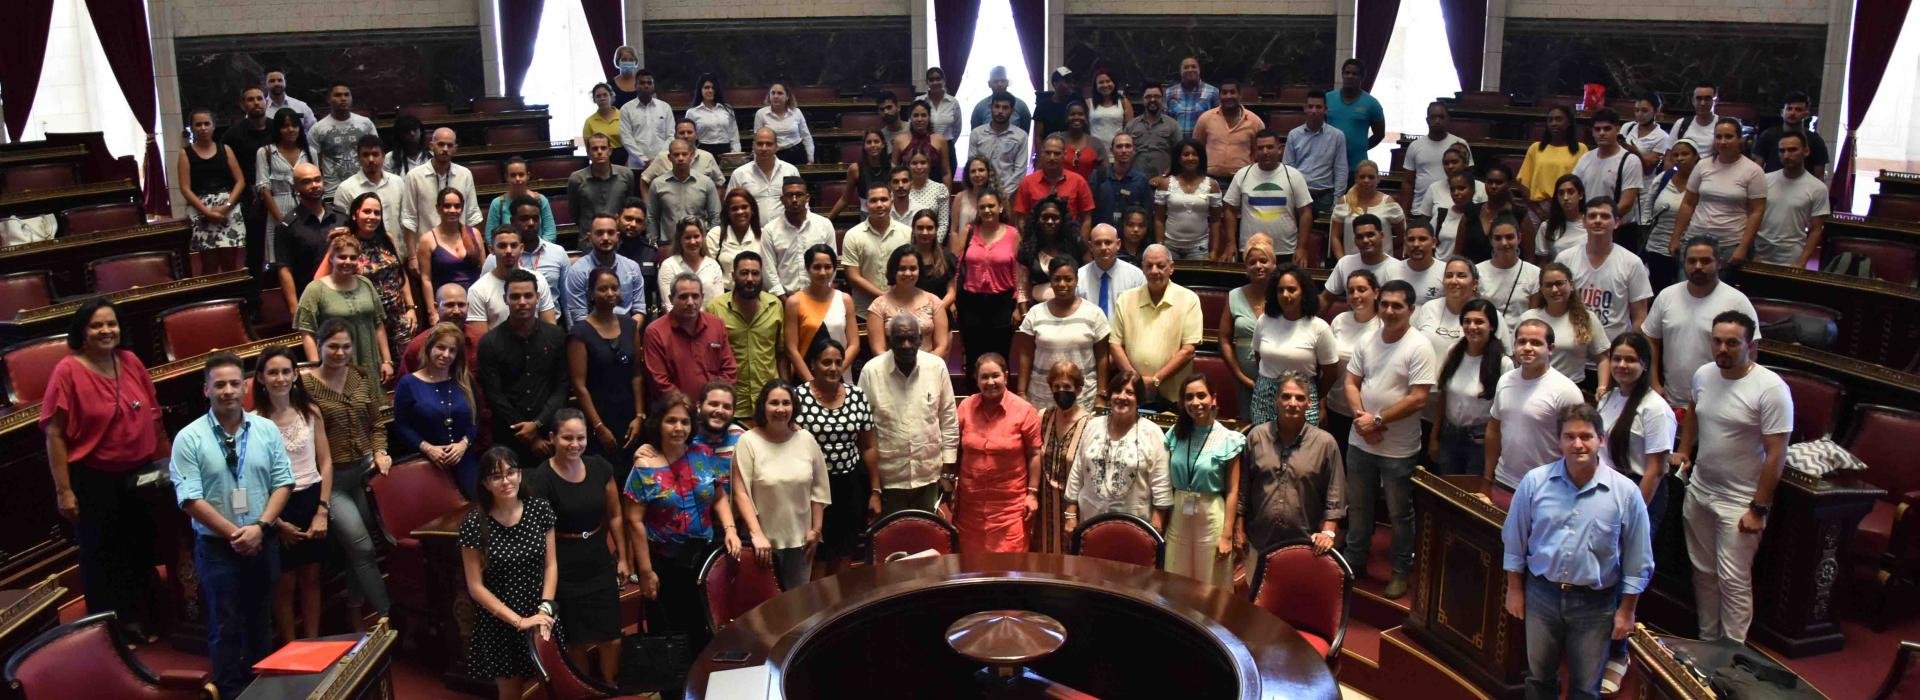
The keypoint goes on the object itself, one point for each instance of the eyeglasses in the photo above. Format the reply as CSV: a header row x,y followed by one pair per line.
x,y
232,452
505,474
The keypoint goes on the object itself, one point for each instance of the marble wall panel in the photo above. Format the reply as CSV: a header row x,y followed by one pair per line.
x,y
384,68
1752,63
1266,50
846,52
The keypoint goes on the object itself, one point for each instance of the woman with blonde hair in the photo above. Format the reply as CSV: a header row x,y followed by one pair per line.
x,y
1364,197
782,114
433,407
344,294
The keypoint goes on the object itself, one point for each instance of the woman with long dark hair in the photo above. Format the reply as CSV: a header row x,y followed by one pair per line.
x,y
507,550
1641,428
410,148
1439,319
677,508
1562,230
921,139
450,253
349,401
101,419
780,486
1350,329
1726,197
1136,233
993,292
817,311
1552,156
278,396
925,192
937,264
740,231
979,177
1108,110
273,165
591,556
1203,465
716,128
603,361
1670,192
1050,233
870,171
381,264
837,413
1290,336
1189,207
904,295
1464,392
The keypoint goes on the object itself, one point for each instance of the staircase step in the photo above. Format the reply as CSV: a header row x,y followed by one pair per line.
x,y
1408,671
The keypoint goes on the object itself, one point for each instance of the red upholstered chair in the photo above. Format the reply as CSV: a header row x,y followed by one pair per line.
x,y
909,532
555,167
423,110
851,151
562,681
1903,678
1220,378
1213,303
101,217
1893,261
752,96
1886,548
562,210
1817,403
1470,128
805,94
1771,310
190,329
515,133
411,494
1891,206
28,364
860,121
486,172
1281,121
732,587
128,270
88,658
485,105
38,176
20,291
1120,537
1309,591
273,318
830,193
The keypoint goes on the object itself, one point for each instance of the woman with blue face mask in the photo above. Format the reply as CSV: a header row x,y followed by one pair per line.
x,y
626,83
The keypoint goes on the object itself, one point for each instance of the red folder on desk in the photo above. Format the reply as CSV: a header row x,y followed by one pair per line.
x,y
303,657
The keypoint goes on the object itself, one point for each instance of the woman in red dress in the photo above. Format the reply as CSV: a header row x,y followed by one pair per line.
x,y
999,463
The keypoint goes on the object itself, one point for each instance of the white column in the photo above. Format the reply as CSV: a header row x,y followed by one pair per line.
x,y
166,79
1495,46
636,35
1833,76
1343,28
917,10
485,11
1056,52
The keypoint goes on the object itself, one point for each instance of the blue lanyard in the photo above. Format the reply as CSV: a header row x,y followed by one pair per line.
x,y
240,446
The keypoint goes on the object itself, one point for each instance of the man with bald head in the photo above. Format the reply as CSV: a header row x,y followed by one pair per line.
x,y
763,176
1155,329
1106,277
916,427
420,210
450,306
300,240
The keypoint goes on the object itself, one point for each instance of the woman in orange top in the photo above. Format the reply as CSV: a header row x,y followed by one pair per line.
x,y
819,308
999,463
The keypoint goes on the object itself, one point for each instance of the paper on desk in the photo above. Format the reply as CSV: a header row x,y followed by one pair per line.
x,y
751,683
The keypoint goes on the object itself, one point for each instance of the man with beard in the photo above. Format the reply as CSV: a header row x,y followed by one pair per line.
x,y
1680,323
753,319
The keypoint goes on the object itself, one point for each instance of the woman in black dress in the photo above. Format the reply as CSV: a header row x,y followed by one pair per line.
x,y
506,548
604,362
586,508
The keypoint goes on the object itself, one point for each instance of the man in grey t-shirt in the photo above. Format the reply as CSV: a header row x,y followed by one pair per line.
x,y
336,137
1797,208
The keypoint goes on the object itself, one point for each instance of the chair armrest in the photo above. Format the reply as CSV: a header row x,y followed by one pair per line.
x,y
184,679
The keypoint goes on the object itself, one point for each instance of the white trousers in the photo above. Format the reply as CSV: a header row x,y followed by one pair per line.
x,y
1722,558
1193,538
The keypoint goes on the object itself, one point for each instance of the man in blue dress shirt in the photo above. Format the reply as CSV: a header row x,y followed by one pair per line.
x,y
603,239
231,474
1578,555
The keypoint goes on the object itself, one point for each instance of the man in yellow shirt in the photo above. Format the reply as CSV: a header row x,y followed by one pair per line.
x,y
1155,328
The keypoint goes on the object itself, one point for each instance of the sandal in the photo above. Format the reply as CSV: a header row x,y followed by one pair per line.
x,y
1616,670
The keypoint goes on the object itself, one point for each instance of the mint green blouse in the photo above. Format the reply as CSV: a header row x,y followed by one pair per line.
x,y
1197,464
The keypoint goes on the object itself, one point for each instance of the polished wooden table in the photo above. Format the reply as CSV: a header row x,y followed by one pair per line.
x,y
1123,623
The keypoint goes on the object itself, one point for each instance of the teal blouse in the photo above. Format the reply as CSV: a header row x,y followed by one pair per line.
x,y
1197,464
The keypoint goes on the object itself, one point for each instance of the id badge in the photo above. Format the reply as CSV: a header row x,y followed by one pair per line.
x,y
237,502
1191,506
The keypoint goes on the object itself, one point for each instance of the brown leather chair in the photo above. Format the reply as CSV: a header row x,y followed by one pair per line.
x,y
515,133
1120,537
555,167
487,105
1893,261
128,270
1885,550
563,212
732,587
19,291
908,532
486,172
1818,403
1220,378
201,327
424,110
860,121
28,363
1309,591
101,217
38,176
411,494
273,318
89,658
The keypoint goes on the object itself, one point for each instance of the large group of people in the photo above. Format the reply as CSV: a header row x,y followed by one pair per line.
x,y
697,379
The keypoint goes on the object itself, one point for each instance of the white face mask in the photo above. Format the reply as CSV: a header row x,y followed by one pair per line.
x,y
627,66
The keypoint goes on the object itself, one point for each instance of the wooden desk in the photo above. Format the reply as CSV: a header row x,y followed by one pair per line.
x,y
139,306
1899,183
37,202
42,152
66,257
1878,323
1878,228
363,673
1658,672
1122,622
503,151
1459,584
86,150
1865,382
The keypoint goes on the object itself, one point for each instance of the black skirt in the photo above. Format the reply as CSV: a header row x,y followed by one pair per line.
x,y
846,518
299,512
588,597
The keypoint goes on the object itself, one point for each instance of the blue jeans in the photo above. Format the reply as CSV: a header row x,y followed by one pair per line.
x,y
1575,624
1367,474
1462,450
237,590
347,511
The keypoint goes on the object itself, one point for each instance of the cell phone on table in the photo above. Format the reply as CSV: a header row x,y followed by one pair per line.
x,y
730,657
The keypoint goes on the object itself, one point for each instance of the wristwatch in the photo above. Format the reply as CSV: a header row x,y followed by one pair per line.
x,y
1330,534
1759,509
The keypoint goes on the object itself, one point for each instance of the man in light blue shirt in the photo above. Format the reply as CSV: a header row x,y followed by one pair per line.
x,y
1191,97
231,474
1355,113
1320,154
1578,555
1102,280
603,236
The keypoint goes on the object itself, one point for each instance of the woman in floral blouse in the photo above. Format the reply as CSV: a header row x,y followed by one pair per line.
x,y
675,494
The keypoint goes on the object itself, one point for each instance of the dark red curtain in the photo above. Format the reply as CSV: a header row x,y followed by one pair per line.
x,y
609,27
23,49
1466,38
1876,27
1030,22
122,27
953,27
1372,29
519,26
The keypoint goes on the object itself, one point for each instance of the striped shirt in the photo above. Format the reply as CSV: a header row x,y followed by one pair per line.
x,y
355,428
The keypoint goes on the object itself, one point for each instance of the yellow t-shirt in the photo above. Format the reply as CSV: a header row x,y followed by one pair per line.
x,y
1545,165
609,127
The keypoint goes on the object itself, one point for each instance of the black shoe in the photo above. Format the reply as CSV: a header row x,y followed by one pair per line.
x,y
1397,587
